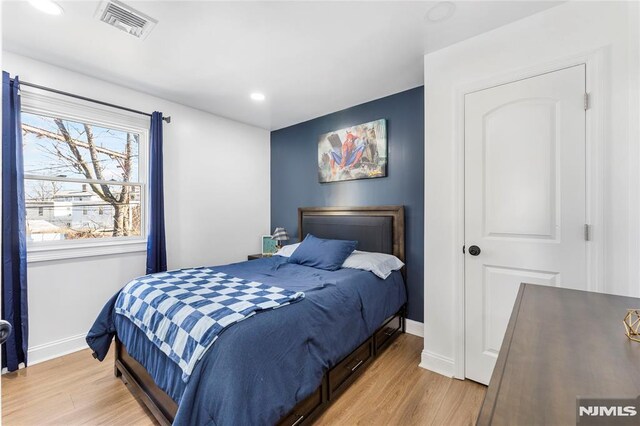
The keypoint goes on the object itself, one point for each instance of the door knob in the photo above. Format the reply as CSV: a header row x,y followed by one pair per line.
x,y
474,250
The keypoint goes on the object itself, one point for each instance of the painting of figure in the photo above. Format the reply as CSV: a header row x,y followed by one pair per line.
x,y
357,152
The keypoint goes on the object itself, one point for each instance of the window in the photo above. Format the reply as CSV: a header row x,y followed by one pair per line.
x,y
84,175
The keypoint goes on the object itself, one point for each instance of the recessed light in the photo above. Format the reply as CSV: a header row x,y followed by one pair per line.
x,y
47,6
440,12
257,96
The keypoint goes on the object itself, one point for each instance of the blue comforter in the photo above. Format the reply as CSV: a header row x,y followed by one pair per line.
x,y
260,368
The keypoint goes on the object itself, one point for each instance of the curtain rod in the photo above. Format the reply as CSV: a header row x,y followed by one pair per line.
x,y
84,98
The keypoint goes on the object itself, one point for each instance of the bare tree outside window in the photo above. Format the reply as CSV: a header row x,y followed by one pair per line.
x,y
43,190
83,176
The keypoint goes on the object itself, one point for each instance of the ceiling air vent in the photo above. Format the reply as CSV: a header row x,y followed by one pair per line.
x,y
125,18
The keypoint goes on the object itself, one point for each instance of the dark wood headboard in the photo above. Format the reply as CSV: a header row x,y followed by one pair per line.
x,y
379,229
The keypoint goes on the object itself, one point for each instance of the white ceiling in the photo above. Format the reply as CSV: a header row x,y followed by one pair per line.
x,y
308,58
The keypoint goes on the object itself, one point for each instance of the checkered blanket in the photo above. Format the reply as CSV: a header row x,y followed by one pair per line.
x,y
184,311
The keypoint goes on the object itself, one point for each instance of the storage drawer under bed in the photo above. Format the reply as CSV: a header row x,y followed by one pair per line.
x,y
303,409
384,334
346,368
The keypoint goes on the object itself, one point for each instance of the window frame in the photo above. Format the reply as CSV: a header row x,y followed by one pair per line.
x,y
36,102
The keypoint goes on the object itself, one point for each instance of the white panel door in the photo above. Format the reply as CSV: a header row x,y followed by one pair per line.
x,y
525,196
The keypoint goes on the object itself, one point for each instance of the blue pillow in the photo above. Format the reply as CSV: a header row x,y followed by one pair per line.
x,y
322,254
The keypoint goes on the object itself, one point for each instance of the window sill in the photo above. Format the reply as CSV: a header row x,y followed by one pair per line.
x,y
88,249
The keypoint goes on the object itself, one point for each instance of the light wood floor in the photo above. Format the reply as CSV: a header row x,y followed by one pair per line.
x,y
76,389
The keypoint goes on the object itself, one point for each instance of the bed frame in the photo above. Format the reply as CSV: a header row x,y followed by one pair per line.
x,y
380,229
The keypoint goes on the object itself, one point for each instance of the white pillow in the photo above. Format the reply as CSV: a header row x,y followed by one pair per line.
x,y
379,263
287,251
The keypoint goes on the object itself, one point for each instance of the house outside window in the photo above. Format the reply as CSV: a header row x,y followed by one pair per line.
x,y
85,172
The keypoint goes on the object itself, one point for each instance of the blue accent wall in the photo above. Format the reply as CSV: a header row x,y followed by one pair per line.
x,y
294,177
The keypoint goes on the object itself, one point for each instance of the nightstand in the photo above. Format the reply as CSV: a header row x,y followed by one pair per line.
x,y
255,256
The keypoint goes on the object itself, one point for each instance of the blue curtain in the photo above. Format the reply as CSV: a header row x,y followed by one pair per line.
x,y
156,246
14,244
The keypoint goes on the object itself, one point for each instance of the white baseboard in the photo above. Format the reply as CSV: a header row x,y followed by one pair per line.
x,y
438,364
57,348
414,327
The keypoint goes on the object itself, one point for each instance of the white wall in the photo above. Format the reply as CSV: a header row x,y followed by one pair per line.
x,y
567,30
217,205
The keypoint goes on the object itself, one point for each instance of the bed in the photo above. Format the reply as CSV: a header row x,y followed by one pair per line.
x,y
287,365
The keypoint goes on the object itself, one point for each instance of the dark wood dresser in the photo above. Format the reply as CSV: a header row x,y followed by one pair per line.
x,y
561,344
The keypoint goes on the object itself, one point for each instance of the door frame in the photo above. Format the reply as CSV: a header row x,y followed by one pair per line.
x,y
597,83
